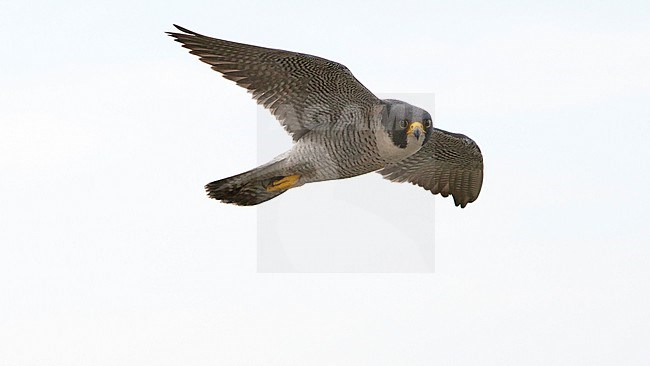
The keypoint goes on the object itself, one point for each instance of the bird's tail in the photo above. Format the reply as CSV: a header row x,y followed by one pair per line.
x,y
255,186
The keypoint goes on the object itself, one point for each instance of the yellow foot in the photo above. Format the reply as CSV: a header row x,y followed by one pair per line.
x,y
284,183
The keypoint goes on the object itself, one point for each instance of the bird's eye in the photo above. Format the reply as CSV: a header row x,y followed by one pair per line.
x,y
403,123
427,123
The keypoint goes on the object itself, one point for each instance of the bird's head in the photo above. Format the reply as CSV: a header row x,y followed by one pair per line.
x,y
408,126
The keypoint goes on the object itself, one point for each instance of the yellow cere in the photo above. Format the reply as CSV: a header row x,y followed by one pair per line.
x,y
413,126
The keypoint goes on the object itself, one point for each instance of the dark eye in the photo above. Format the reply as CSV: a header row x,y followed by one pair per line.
x,y
403,123
427,123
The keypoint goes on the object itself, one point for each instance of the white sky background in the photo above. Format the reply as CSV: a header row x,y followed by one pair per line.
x,y
110,253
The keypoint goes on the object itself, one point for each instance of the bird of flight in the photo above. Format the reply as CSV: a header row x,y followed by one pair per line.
x,y
339,128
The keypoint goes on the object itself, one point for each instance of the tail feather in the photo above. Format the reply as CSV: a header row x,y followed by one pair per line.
x,y
242,190
250,188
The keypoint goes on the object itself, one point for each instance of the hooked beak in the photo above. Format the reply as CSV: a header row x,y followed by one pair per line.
x,y
416,129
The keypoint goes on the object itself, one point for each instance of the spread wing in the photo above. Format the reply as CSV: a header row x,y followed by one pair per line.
x,y
301,91
449,163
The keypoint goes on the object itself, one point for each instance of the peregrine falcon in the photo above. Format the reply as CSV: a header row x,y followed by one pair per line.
x,y
340,129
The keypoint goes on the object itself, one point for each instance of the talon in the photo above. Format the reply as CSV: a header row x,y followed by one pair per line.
x,y
283,183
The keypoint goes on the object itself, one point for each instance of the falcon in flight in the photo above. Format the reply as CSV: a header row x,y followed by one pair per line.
x,y
339,128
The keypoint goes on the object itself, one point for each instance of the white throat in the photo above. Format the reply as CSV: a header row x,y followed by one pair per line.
x,y
391,153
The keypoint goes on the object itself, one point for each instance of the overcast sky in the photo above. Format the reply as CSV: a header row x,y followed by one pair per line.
x,y
111,254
